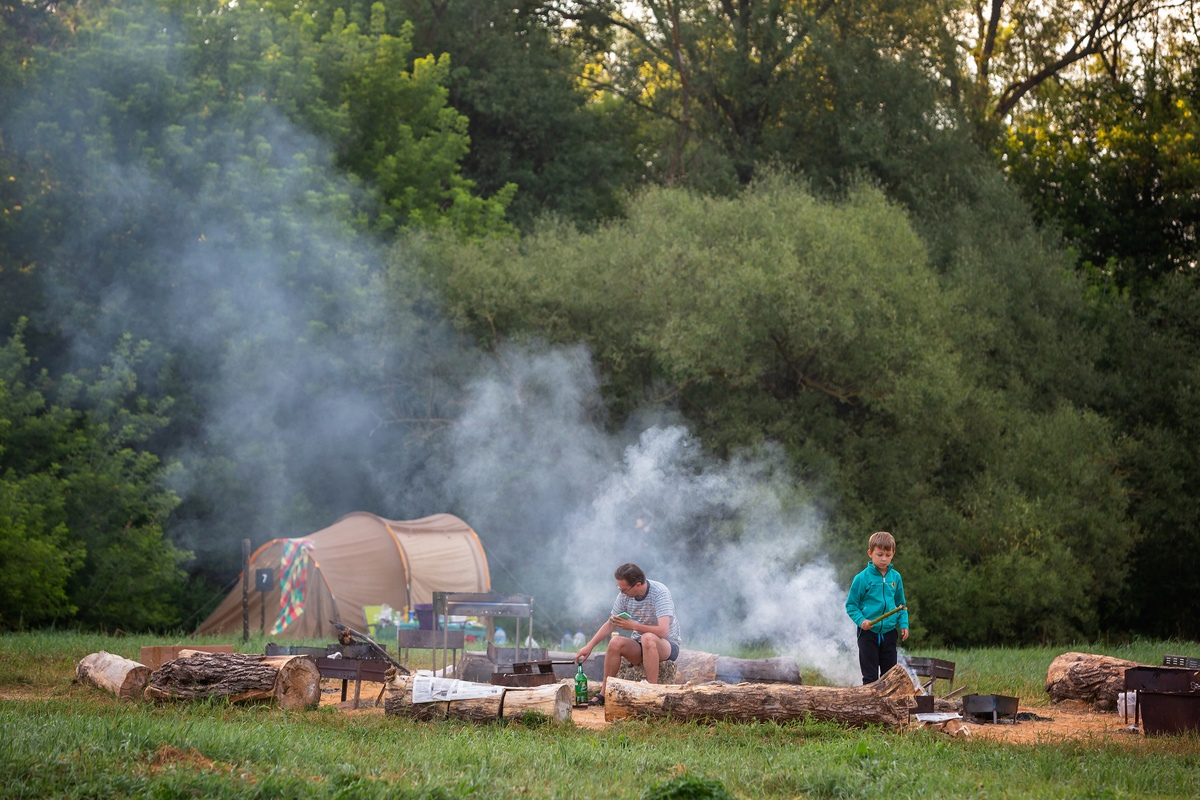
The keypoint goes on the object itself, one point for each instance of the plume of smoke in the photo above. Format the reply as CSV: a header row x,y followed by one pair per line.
x,y
560,503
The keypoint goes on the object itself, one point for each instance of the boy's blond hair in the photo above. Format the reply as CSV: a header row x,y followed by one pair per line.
x,y
883,540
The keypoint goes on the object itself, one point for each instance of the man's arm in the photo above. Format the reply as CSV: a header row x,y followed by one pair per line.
x,y
659,628
582,653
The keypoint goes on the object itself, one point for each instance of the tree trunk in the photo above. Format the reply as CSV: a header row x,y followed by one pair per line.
x,y
122,677
289,681
399,703
553,700
1090,678
885,702
699,667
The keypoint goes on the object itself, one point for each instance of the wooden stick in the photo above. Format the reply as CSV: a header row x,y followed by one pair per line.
x,y
882,617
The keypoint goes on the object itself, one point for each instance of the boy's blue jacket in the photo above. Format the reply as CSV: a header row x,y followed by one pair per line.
x,y
872,594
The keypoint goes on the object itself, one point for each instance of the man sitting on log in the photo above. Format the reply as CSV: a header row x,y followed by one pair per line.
x,y
647,609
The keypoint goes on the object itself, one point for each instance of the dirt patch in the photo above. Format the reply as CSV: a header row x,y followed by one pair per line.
x,y
167,757
1068,720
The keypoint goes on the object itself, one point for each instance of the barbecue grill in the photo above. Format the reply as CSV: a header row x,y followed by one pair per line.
x,y
485,604
1167,699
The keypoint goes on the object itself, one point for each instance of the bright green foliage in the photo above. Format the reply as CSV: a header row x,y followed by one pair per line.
x,y
356,84
822,326
82,509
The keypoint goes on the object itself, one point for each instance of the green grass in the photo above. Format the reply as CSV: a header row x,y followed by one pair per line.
x,y
61,739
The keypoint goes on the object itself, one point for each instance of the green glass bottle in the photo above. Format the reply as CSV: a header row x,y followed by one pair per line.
x,y
581,687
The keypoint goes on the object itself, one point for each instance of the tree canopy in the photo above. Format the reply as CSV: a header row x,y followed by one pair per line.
x,y
939,260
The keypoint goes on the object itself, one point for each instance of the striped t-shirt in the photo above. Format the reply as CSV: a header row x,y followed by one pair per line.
x,y
657,603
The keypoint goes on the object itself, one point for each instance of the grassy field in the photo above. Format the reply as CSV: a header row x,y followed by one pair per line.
x,y
60,739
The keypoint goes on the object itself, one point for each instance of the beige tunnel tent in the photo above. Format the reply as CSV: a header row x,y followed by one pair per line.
x,y
362,560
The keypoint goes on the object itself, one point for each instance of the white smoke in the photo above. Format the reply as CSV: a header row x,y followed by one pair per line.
x,y
729,537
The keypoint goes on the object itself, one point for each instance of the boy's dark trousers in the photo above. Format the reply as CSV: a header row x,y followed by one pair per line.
x,y
876,657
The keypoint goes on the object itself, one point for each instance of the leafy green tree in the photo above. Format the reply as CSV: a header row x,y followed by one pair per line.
x,y
517,76
824,327
1153,362
83,508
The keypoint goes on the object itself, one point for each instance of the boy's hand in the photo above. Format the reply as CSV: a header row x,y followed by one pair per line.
x,y
866,624
904,634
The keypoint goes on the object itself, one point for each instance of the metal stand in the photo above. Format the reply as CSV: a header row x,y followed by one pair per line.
x,y
482,604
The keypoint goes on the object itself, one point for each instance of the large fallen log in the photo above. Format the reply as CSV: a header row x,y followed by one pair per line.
x,y
291,682
553,700
885,702
1091,678
124,678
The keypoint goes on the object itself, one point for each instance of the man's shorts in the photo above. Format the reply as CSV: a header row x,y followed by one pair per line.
x,y
674,650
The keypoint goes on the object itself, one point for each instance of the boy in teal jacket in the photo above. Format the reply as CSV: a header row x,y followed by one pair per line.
x,y
875,591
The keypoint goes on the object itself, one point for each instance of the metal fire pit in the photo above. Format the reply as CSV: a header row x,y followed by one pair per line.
x,y
355,651
924,704
995,705
527,673
1169,712
1162,679
1166,682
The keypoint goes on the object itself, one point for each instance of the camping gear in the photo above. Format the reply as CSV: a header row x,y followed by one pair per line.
x,y
1165,699
358,561
1168,712
995,705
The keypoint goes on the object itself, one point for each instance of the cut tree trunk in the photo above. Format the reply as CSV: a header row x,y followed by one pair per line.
x,y
1091,678
399,703
553,700
885,702
122,677
291,682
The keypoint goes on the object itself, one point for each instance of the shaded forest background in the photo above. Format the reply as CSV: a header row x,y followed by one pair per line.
x,y
920,266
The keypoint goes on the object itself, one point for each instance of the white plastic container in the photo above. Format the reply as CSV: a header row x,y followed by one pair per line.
x,y
1127,705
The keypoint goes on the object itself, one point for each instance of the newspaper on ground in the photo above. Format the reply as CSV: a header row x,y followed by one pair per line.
x,y
428,689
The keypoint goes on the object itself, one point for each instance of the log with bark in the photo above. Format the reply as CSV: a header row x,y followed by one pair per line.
x,y
553,700
885,702
124,678
1091,678
291,682
700,667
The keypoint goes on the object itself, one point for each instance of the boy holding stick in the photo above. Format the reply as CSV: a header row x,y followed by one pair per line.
x,y
877,606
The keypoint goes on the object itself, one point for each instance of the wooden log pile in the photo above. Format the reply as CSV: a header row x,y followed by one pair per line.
x,y
291,682
1087,677
885,702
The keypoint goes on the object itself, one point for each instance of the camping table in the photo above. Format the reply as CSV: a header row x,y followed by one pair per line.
x,y
483,604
